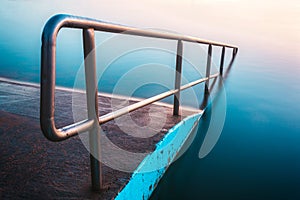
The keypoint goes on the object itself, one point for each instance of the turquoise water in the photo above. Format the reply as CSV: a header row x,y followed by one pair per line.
x,y
257,155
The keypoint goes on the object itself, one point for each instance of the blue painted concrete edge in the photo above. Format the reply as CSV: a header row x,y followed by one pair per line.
x,y
145,178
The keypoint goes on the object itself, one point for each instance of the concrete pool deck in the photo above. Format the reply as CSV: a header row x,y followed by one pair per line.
x,y
33,167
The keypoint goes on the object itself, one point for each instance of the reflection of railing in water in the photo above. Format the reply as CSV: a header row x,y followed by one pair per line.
x,y
207,85
48,66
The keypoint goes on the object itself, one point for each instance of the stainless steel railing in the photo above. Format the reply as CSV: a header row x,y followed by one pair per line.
x,y
88,26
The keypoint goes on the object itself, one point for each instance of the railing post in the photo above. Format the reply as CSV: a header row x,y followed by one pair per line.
x,y
178,77
92,106
222,60
234,51
206,86
208,66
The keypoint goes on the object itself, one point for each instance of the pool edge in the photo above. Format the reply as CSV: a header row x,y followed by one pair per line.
x,y
145,178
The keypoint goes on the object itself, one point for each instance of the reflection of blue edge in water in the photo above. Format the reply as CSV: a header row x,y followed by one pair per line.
x,y
145,178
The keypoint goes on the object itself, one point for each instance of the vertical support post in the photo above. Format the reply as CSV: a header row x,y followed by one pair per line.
x,y
178,77
222,60
234,51
206,87
208,66
92,106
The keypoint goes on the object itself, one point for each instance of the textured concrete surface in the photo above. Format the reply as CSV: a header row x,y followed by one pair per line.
x,y
33,167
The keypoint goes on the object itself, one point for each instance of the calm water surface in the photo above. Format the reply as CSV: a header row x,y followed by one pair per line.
x,y
257,155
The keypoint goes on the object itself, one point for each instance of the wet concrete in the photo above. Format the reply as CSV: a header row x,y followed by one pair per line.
x,y
32,167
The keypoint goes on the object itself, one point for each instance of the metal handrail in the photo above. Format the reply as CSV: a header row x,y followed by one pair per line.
x,y
48,73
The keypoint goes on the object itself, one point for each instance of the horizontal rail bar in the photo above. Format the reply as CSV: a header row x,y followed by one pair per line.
x,y
63,20
191,84
130,108
113,115
79,127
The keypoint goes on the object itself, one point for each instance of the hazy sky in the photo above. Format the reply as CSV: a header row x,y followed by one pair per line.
x,y
270,24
